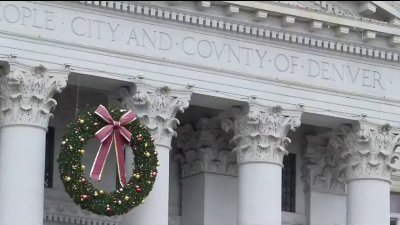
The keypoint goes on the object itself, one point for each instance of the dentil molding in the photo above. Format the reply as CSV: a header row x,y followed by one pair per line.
x,y
156,108
205,149
322,167
26,93
260,132
370,150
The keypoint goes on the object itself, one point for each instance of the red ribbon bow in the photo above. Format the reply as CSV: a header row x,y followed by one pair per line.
x,y
113,132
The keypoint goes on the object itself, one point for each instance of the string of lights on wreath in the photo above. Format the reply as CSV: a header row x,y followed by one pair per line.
x,y
134,191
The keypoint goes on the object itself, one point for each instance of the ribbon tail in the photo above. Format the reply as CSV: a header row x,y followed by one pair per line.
x,y
119,150
99,162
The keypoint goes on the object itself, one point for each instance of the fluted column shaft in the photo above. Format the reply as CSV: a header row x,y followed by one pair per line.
x,y
156,108
368,158
26,100
260,138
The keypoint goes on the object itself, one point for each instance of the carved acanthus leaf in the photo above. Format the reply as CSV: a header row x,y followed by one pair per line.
x,y
322,167
26,94
370,150
260,132
205,149
157,108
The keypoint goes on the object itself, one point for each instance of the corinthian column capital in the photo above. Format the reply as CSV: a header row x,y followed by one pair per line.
x,y
26,93
156,108
260,132
205,149
370,150
322,167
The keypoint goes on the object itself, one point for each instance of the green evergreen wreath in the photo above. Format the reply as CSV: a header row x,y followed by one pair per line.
x,y
82,191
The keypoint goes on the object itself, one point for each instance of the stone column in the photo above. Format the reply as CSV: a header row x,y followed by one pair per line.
x,y
156,108
324,178
26,101
260,137
209,174
369,158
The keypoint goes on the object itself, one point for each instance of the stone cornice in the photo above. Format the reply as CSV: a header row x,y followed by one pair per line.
x,y
156,107
392,9
205,149
322,167
26,93
68,212
331,17
260,132
257,30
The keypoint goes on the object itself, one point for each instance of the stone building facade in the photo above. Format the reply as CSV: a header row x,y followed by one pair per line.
x,y
263,113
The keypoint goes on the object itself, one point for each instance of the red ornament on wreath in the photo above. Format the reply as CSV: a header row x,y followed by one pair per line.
x,y
116,127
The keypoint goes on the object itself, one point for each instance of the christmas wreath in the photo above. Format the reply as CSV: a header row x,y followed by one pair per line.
x,y
102,125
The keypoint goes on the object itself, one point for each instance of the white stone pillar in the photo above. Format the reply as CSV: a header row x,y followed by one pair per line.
x,y
368,156
26,100
156,108
209,174
324,180
260,137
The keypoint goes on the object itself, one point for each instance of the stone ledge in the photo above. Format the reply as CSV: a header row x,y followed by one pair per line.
x,y
69,212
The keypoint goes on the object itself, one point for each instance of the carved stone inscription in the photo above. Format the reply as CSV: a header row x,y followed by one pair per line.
x,y
27,16
189,47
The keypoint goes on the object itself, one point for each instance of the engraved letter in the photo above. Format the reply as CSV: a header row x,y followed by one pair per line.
x,y
113,29
316,65
133,36
336,70
353,78
99,25
294,64
165,36
89,28
26,13
35,19
206,53
218,53
11,16
366,78
236,55
147,36
325,71
73,25
377,78
279,66
48,22
184,46
261,58
247,50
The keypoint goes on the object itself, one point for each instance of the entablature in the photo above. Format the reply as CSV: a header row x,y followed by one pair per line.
x,y
325,26
178,46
